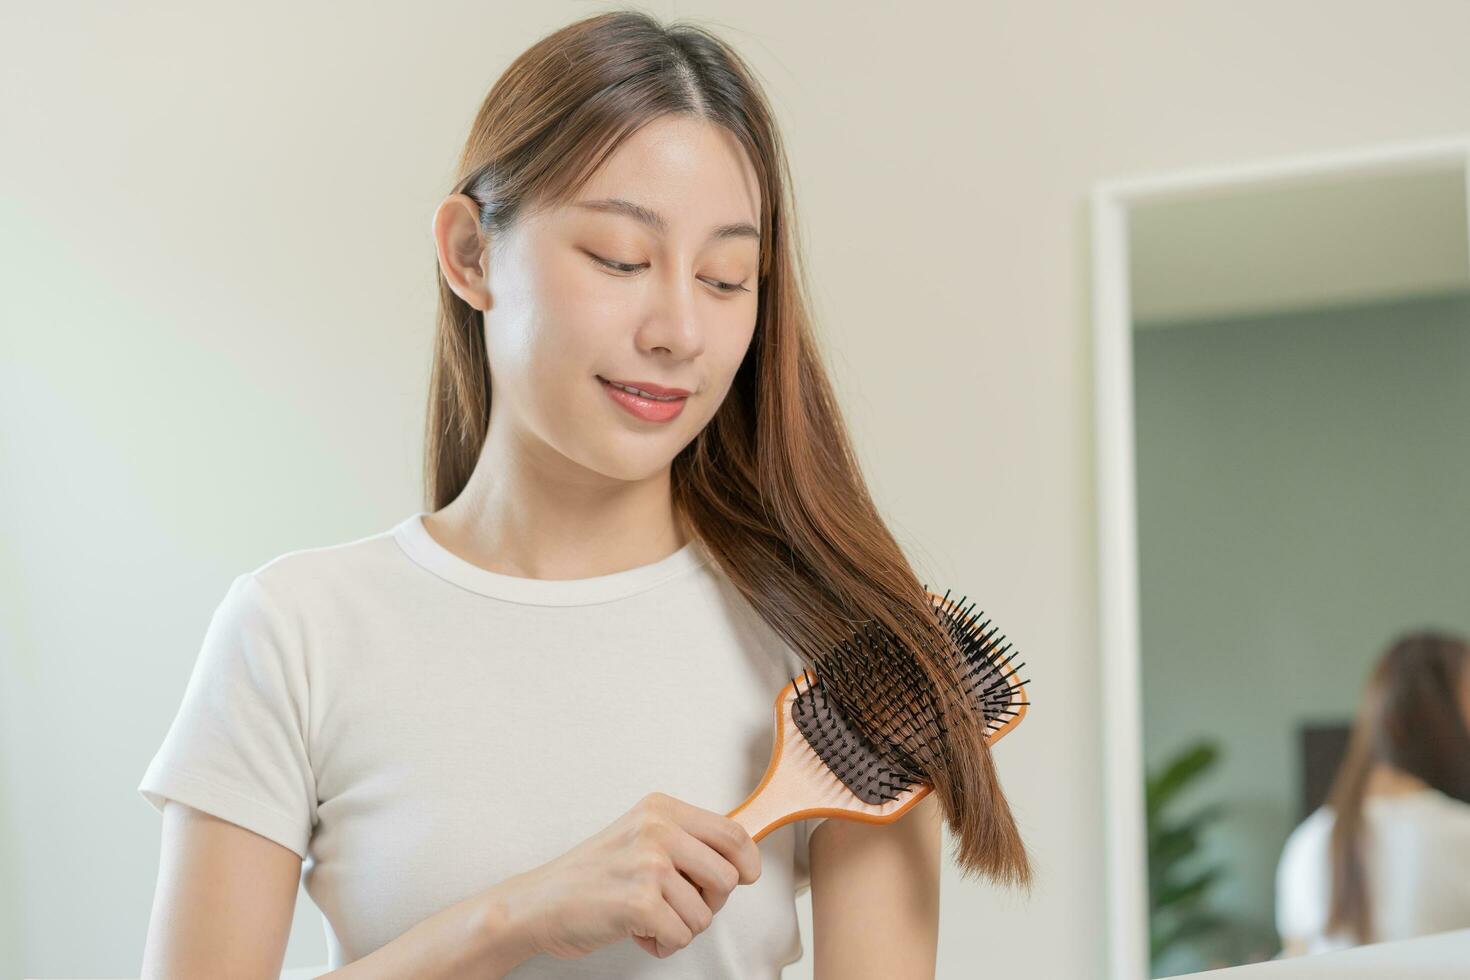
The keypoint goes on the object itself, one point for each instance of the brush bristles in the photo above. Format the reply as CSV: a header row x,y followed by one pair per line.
x,y
850,756
872,671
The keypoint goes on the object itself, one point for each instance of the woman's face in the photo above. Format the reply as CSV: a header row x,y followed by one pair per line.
x,y
587,291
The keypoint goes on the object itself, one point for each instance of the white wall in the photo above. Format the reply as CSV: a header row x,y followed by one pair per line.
x,y
216,306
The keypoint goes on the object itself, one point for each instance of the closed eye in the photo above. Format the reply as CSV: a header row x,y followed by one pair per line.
x,y
624,268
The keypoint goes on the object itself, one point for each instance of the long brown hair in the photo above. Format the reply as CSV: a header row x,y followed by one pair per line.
x,y
1410,718
770,486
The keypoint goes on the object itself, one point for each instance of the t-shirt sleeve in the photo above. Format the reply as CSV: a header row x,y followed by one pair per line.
x,y
237,749
1300,897
802,851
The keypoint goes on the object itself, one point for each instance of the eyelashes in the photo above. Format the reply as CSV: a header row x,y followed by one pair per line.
x,y
623,268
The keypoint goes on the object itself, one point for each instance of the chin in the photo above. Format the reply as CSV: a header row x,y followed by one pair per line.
x,y
633,466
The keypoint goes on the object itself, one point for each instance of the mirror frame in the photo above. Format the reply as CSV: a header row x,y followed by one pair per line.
x,y
1126,872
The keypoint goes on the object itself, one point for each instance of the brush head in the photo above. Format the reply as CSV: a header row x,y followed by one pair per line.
x,y
871,670
824,765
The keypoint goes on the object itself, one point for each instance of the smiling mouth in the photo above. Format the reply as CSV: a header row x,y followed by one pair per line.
x,y
648,408
640,392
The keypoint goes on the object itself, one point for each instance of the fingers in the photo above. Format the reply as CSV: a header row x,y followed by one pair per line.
x,y
719,832
698,857
661,928
682,897
705,868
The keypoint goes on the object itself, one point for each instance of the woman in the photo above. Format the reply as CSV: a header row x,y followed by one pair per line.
x,y
503,734
1388,856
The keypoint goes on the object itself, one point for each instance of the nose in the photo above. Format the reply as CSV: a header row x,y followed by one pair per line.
x,y
674,323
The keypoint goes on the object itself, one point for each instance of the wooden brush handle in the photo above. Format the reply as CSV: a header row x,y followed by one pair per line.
x,y
798,784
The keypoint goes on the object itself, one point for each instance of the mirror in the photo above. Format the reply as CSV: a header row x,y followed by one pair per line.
x,y
1284,457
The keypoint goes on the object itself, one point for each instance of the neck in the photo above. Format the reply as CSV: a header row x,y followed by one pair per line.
x,y
1385,780
530,512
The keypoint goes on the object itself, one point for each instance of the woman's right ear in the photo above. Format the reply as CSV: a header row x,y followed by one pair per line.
x,y
463,253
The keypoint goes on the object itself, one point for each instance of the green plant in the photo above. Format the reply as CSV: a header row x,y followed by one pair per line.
x,y
1178,889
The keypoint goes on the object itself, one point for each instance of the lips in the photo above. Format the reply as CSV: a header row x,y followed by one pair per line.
x,y
649,387
647,409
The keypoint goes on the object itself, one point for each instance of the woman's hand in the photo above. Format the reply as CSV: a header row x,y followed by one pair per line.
x,y
657,874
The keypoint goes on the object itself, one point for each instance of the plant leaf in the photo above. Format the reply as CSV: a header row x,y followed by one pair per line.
x,y
1187,927
1188,891
1182,769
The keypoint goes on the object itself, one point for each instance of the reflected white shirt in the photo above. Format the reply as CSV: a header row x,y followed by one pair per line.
x,y
1417,864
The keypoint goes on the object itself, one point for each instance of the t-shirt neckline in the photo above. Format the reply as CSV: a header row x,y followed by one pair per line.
x,y
416,541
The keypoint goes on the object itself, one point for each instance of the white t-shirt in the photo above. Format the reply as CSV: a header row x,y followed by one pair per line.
x,y
1416,863
418,728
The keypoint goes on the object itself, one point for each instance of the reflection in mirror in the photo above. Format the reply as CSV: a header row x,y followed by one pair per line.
x,y
1301,366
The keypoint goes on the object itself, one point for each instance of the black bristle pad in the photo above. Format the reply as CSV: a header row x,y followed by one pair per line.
x,y
851,757
983,669
871,670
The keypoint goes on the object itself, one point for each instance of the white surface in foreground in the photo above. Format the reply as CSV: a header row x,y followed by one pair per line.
x,y
1443,955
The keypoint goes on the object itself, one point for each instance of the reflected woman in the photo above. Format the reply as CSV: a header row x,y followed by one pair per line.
x,y
1388,855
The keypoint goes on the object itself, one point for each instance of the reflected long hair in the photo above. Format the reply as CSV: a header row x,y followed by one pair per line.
x,y
771,486
1410,717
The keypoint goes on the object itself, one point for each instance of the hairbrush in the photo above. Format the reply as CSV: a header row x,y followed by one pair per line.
x,y
821,766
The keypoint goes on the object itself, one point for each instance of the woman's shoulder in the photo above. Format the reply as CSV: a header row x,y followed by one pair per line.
x,y
1442,813
305,577
1424,825
1315,828
1426,803
1305,850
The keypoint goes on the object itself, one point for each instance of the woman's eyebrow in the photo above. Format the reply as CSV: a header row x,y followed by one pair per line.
x,y
654,220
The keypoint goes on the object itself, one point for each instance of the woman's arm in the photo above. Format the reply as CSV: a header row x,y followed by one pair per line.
x,y
875,896
224,904
473,938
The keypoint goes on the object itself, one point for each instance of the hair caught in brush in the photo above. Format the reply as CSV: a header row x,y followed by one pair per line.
x,y
771,485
